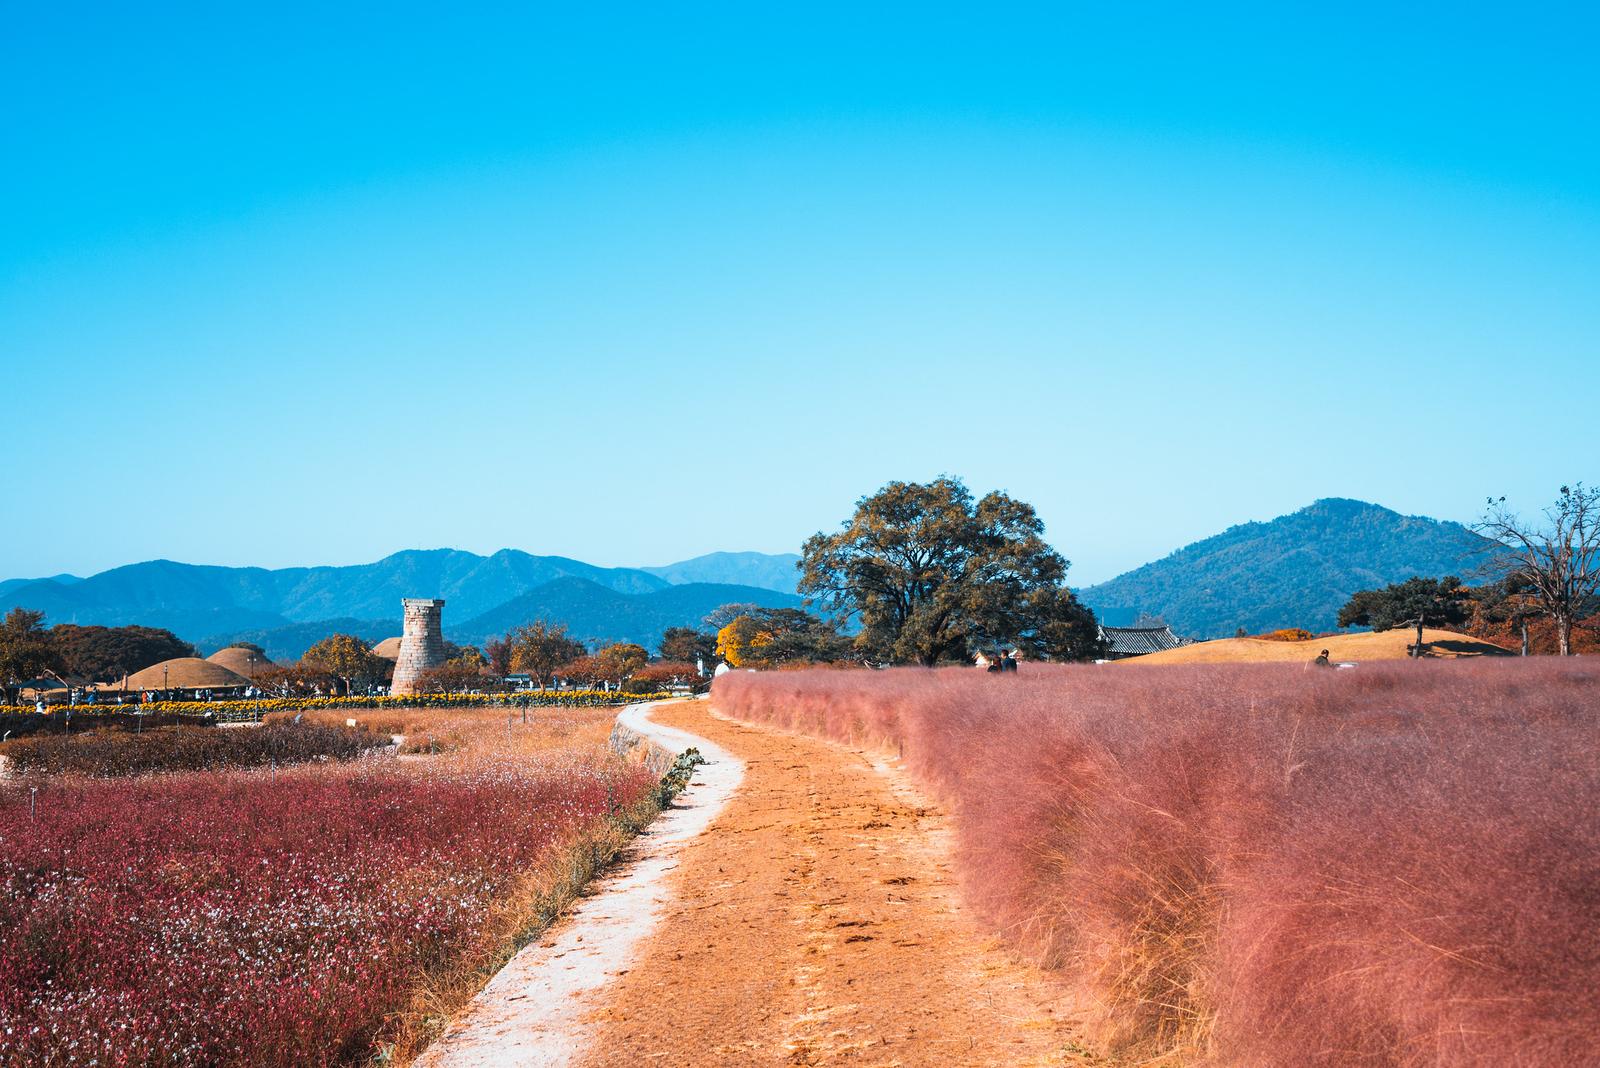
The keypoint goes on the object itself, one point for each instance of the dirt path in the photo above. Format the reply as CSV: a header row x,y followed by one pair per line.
x,y
816,924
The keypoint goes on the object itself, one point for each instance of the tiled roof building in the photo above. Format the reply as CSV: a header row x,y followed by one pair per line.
x,y
1124,642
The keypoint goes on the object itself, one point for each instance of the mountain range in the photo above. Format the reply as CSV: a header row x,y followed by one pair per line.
x,y
1295,571
287,609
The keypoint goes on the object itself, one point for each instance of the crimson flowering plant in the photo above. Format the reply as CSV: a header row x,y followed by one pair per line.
x,y
265,918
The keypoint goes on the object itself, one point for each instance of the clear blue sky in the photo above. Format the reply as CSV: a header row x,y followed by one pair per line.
x,y
309,286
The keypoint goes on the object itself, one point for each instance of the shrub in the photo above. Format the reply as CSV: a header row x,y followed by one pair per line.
x,y
1287,634
1262,865
108,753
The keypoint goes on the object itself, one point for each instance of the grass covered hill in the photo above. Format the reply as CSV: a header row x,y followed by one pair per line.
x,y
1358,648
1295,571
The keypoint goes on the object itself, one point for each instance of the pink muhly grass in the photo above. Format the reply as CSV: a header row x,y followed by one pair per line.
x,y
1261,865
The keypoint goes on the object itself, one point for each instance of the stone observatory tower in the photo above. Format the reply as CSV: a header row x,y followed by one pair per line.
x,y
421,646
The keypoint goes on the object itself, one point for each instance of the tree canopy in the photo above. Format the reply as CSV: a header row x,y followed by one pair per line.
x,y
25,649
346,657
1416,602
686,645
771,637
108,653
933,575
539,648
1558,559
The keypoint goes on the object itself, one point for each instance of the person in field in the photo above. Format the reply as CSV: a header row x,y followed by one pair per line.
x,y
1322,659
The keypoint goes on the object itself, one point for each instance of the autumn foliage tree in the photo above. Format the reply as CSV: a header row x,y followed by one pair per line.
x,y
348,658
499,652
539,648
772,637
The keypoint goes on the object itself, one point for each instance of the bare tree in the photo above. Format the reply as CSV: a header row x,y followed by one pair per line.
x,y
1559,559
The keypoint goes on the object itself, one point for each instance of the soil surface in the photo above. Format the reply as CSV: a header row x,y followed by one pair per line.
x,y
816,924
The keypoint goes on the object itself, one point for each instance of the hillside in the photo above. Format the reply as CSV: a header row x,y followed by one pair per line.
x,y
285,644
1295,571
595,614
196,600
771,571
1389,645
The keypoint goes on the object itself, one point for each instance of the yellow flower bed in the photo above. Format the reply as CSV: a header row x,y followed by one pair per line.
x,y
255,709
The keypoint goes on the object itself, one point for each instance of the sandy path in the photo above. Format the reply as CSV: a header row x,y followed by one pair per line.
x,y
532,1014
817,924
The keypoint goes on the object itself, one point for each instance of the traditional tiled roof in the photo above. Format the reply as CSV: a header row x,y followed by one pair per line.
x,y
1136,641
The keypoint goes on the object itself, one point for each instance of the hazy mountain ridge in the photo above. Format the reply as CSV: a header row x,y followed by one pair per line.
x,y
772,571
597,615
287,609
1293,571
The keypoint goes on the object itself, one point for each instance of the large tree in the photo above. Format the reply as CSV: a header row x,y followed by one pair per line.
x,y
25,649
1510,602
685,645
498,652
770,637
1416,602
932,575
617,662
346,657
538,648
1559,558
108,653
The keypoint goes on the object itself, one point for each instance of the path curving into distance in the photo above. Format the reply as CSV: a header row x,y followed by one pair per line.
x,y
534,1012
817,923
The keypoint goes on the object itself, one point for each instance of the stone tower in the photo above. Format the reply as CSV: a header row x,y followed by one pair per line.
x,y
421,645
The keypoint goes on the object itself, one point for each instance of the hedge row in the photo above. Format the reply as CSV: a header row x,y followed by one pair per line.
x,y
249,711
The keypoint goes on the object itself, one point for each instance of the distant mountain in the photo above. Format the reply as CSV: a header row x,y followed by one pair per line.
x,y
771,571
286,643
8,585
195,600
593,613
1295,571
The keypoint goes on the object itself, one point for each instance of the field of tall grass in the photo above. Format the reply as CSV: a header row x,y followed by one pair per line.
x,y
1263,865
319,914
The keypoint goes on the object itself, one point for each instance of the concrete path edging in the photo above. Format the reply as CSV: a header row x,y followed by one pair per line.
x,y
532,1013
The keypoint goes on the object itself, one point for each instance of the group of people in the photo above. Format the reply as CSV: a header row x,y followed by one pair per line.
x,y
1004,662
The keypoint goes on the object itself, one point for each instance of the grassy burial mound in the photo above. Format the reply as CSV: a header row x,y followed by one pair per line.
x,y
1259,865
244,662
329,913
1388,645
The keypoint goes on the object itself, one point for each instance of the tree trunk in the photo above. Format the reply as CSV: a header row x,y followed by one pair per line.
x,y
1524,637
1418,650
1564,633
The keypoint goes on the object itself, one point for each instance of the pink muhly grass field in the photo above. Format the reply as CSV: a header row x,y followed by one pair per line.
x,y
1254,865
258,919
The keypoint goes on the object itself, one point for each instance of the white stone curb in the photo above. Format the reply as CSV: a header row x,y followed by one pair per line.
x,y
533,1012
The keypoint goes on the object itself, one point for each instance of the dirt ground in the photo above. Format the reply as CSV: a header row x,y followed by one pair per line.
x,y
817,924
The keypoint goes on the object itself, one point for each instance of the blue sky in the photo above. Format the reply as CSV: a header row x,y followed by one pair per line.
x,y
299,286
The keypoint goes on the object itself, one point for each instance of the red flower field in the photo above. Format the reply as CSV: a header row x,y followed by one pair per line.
x,y
255,918
1254,865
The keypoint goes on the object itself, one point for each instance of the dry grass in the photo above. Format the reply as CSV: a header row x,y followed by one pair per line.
x,y
483,731
1389,645
1259,865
